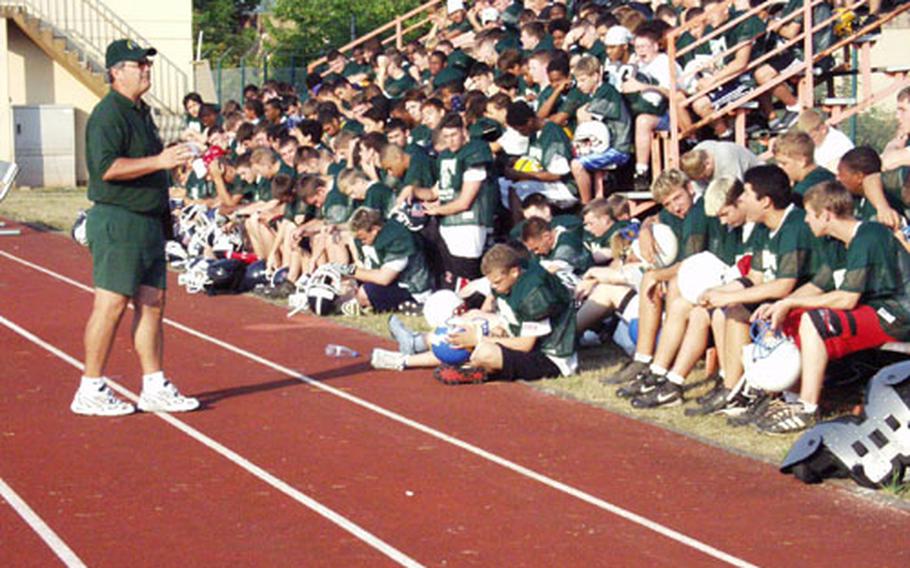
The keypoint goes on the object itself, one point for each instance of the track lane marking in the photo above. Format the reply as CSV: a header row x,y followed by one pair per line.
x,y
457,442
37,524
235,458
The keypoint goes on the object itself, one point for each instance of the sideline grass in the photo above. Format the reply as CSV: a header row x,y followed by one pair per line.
x,y
57,208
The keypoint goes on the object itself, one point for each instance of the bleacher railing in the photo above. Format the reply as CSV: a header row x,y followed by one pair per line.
x,y
394,31
805,70
89,26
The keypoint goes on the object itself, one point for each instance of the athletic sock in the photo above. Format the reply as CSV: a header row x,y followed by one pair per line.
x,y
657,369
641,169
642,358
794,108
808,406
676,378
153,380
91,383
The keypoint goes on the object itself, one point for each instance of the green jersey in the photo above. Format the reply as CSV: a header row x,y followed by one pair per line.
x,y
395,88
816,176
199,188
381,198
568,221
337,208
398,249
791,250
552,148
421,171
472,162
570,249
539,305
602,243
607,105
871,269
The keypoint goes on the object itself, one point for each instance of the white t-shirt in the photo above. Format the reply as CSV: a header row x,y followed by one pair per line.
x,y
832,149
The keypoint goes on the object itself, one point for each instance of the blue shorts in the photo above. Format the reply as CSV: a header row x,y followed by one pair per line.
x,y
664,123
386,298
729,92
607,160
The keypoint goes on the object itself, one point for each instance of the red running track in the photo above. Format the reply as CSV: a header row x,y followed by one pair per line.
x,y
433,501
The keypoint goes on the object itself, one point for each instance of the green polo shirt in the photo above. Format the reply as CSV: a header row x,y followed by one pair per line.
x,y
120,128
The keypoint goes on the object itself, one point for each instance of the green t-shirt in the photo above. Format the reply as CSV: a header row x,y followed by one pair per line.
x,y
398,249
675,223
749,31
552,148
199,188
823,38
791,251
421,171
381,198
485,129
568,221
865,211
816,176
686,39
701,233
871,269
337,208
539,305
602,243
395,88
422,136
475,155
119,128
249,191
608,105
570,248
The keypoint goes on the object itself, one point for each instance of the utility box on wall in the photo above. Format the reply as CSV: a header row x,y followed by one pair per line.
x,y
45,145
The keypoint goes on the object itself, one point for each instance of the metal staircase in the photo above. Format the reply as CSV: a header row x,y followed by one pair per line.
x,y
75,34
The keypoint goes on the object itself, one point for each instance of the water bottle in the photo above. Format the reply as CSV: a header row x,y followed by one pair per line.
x,y
340,351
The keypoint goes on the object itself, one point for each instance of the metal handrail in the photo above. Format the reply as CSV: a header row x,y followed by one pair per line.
x,y
89,26
678,98
397,24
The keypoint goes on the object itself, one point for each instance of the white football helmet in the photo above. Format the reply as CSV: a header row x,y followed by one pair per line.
x,y
701,272
772,361
591,137
667,245
196,277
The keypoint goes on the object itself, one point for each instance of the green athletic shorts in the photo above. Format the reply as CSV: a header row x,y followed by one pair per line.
x,y
127,249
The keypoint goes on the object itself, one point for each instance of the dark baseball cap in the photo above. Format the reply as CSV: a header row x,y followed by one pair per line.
x,y
126,50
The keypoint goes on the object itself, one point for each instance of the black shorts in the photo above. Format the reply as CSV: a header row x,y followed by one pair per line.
x,y
781,61
386,298
518,365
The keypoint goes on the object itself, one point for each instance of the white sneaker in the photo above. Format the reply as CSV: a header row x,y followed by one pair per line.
x,y
385,359
165,398
100,402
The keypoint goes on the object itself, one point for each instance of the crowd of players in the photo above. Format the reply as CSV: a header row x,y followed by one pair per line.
x,y
487,161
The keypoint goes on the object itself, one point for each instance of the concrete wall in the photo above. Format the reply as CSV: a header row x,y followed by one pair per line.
x,y
35,79
166,24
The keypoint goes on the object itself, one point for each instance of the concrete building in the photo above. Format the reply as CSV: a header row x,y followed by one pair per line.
x,y
52,53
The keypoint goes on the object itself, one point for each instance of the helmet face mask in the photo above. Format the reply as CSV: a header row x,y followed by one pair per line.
x,y
323,290
772,362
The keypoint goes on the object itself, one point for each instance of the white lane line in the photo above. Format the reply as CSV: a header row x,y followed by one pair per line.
x,y
236,459
47,534
468,447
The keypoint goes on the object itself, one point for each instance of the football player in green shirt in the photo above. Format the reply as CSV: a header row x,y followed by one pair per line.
x,y
861,304
794,152
532,333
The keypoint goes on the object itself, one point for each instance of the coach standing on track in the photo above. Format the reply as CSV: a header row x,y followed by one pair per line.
x,y
128,183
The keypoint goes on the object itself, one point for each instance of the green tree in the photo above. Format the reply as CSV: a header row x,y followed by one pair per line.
x,y
222,25
321,25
